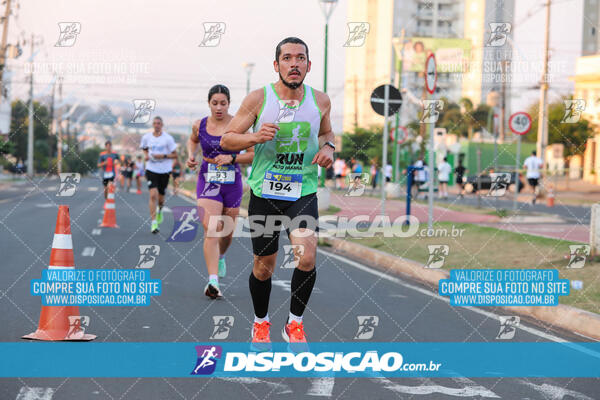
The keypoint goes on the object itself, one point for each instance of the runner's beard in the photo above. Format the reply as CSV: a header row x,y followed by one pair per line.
x,y
291,85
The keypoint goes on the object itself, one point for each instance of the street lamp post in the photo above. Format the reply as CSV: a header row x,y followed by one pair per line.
x,y
327,7
248,67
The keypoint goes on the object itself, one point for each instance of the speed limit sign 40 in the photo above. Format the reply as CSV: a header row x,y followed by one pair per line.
x,y
520,123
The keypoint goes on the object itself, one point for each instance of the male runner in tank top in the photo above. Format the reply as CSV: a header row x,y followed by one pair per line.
x,y
292,137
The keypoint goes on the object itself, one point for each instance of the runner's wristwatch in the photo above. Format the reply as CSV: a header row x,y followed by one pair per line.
x,y
233,156
329,144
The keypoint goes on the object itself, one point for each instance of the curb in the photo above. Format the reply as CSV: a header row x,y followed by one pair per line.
x,y
566,317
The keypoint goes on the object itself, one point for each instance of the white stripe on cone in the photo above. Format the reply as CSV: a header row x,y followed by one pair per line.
x,y
111,196
110,206
57,267
62,241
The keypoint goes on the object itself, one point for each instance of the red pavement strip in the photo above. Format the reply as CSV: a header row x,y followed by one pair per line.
x,y
352,206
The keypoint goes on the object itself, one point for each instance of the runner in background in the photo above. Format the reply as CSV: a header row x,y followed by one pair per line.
x,y
219,188
139,173
533,164
460,171
129,167
159,151
107,164
176,173
444,170
338,169
122,170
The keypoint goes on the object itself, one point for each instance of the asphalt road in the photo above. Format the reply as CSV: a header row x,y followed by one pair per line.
x,y
344,291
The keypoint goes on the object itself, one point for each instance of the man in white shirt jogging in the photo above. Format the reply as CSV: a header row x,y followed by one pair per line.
x,y
159,151
444,170
533,165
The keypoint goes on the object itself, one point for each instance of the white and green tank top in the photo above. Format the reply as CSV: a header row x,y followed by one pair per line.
x,y
282,167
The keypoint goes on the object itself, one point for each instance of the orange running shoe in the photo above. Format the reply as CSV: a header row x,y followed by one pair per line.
x,y
293,333
261,338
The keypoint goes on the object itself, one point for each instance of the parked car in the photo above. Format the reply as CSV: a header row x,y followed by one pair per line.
x,y
471,184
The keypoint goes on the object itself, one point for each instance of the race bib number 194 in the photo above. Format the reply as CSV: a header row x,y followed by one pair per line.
x,y
282,186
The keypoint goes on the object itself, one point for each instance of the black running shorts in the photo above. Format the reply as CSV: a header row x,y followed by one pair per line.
x,y
158,181
262,216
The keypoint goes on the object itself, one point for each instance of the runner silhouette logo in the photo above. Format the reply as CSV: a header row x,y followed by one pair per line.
x,y
366,326
148,254
185,224
292,137
207,359
223,324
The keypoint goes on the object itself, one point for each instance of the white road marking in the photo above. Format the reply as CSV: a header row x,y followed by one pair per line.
x,y
44,205
552,392
281,387
321,386
88,251
401,296
488,314
52,188
167,209
35,393
427,386
96,232
287,285
92,189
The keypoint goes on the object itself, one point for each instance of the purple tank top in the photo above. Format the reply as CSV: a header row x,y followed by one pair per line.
x,y
211,145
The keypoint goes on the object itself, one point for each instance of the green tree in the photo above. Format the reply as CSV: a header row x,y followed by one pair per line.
x,y
19,126
572,135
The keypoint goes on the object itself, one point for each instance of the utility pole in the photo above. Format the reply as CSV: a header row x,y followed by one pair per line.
x,y
59,131
542,138
355,103
52,122
3,45
30,124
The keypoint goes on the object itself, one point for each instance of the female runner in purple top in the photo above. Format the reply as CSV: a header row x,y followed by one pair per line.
x,y
219,188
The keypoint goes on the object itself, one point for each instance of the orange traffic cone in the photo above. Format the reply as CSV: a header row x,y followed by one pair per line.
x,y
54,320
110,217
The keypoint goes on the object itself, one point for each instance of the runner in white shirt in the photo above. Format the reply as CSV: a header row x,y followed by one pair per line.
x,y
444,170
533,165
159,150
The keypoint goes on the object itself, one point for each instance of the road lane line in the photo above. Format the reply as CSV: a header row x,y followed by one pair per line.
x,y
321,387
96,232
281,387
35,393
400,282
88,251
552,392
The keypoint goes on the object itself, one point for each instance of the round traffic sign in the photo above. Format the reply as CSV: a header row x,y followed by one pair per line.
x,y
378,100
402,134
520,123
430,74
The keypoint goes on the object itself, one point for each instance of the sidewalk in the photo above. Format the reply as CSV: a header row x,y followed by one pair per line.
x,y
371,206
